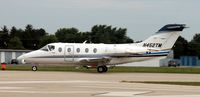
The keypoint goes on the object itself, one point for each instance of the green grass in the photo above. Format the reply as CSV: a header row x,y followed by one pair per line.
x,y
114,70
166,82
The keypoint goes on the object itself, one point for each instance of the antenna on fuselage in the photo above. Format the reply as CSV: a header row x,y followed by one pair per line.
x,y
84,41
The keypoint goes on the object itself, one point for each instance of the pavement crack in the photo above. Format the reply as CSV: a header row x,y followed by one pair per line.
x,y
96,94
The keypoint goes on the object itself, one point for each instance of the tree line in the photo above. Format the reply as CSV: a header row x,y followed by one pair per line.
x,y
183,47
32,38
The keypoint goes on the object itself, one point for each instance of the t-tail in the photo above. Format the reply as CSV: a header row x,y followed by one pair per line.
x,y
165,38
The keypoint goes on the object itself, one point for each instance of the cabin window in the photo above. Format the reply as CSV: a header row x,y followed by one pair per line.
x,y
78,50
95,50
60,49
86,50
69,50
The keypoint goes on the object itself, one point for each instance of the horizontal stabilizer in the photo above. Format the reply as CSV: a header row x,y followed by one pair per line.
x,y
172,27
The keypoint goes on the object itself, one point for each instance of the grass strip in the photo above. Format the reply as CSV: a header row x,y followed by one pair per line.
x,y
179,70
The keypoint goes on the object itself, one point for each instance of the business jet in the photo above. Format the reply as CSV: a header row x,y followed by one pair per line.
x,y
101,56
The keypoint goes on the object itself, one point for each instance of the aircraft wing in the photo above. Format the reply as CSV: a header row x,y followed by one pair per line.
x,y
95,60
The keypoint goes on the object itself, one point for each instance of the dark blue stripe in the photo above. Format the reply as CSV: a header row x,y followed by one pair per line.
x,y
107,55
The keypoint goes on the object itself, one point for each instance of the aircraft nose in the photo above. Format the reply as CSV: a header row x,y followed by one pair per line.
x,y
21,59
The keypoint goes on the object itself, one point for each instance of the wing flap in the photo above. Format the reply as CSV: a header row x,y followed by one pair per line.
x,y
95,60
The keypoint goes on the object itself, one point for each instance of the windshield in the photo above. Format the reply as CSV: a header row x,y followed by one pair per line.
x,y
51,47
48,47
44,48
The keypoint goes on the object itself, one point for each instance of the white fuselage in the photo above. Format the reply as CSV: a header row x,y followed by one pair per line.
x,y
91,54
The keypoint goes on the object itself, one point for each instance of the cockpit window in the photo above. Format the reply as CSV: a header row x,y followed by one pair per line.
x,y
44,48
51,47
48,47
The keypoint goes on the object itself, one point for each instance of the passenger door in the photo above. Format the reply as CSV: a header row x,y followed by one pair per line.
x,y
69,53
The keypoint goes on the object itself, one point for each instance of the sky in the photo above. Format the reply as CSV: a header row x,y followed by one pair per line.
x,y
142,18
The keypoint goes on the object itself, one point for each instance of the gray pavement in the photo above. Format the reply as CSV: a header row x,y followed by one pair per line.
x,y
73,84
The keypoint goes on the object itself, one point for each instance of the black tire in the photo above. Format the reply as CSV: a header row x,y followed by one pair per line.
x,y
174,65
34,68
105,68
100,69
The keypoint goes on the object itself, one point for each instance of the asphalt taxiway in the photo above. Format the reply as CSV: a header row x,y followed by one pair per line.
x,y
73,84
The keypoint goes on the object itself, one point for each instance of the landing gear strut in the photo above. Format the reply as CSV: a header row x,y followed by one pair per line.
x,y
102,69
34,68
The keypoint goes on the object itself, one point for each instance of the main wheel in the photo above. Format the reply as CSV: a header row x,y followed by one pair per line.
x,y
105,68
34,68
102,69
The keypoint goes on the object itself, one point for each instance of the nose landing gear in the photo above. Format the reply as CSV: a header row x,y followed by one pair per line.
x,y
34,68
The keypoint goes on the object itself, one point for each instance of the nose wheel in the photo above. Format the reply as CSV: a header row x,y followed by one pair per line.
x,y
34,68
102,69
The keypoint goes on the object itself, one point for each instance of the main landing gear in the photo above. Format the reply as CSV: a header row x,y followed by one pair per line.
x,y
102,69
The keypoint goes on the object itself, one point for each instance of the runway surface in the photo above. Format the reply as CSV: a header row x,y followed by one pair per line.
x,y
72,84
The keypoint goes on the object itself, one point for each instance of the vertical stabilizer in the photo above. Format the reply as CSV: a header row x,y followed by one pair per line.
x,y
165,38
